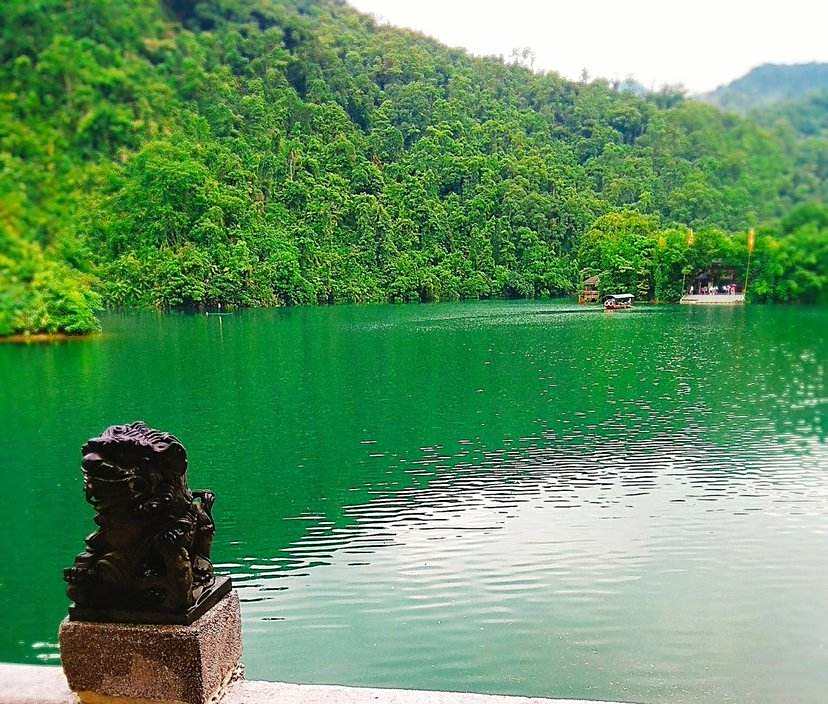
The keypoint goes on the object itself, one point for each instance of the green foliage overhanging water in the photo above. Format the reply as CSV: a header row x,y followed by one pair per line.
x,y
277,152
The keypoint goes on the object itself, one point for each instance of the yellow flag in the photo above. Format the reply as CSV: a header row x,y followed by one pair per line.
x,y
751,239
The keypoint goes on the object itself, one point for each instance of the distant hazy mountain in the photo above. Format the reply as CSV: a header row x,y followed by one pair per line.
x,y
768,84
807,116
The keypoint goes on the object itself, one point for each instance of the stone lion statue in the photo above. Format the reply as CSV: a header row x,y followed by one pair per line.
x,y
151,550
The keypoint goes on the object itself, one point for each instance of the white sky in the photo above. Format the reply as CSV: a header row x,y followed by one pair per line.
x,y
699,43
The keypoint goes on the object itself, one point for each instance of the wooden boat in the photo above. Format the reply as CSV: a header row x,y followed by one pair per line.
x,y
618,301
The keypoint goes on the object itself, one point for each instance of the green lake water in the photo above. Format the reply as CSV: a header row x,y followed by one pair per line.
x,y
525,498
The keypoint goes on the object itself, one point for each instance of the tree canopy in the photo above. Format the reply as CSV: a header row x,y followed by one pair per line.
x,y
276,152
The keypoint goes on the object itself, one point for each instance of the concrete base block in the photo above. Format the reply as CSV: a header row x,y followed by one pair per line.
x,y
121,663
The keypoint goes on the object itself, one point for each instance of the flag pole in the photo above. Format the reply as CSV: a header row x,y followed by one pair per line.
x,y
751,243
691,238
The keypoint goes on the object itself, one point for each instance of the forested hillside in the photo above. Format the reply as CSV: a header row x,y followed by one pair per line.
x,y
768,84
272,152
807,117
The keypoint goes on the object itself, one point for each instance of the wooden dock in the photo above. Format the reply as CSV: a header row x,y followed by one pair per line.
x,y
714,299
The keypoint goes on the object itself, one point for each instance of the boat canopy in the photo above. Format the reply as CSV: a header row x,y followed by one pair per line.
x,y
620,297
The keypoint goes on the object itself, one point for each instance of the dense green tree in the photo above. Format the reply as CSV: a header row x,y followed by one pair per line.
x,y
791,262
40,294
272,152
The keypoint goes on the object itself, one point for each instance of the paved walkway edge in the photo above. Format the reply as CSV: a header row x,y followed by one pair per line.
x,y
43,684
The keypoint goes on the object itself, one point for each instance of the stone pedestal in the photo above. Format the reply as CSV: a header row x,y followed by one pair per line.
x,y
120,663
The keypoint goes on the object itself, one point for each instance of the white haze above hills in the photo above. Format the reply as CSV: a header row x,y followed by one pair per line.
x,y
700,45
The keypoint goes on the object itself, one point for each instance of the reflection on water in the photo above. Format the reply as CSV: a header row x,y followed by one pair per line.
x,y
519,498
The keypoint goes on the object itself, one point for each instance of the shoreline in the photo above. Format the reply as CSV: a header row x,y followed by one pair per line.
x,y
41,338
